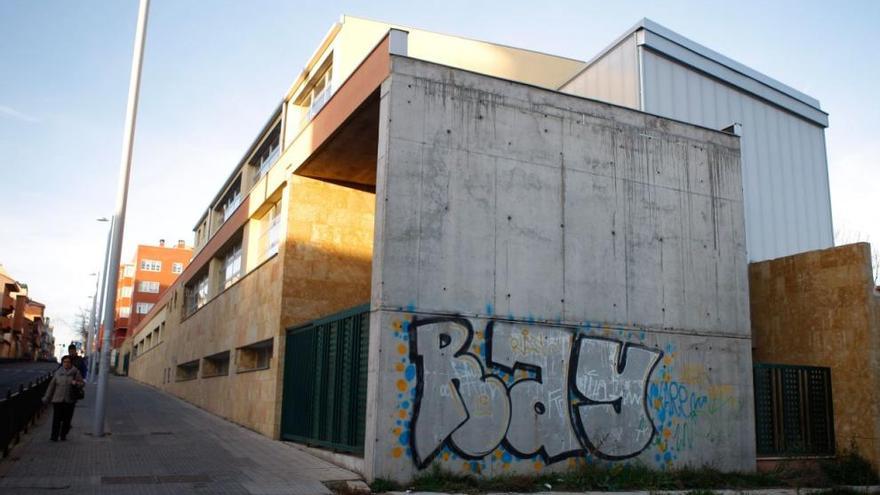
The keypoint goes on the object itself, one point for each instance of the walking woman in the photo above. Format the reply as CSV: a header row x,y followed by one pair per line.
x,y
63,397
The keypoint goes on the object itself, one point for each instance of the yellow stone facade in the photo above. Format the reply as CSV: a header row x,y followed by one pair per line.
x,y
820,308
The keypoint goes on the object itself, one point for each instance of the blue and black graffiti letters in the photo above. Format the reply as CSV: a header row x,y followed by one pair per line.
x,y
542,390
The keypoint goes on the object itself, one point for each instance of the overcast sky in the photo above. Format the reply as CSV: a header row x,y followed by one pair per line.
x,y
214,70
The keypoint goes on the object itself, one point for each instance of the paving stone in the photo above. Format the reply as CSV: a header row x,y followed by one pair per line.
x,y
158,444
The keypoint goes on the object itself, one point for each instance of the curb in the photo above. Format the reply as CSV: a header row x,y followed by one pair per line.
x,y
771,491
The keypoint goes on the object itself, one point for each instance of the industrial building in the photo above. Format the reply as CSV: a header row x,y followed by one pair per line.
x,y
442,251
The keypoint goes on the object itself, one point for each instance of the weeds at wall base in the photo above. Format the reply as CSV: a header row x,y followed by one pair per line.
x,y
849,469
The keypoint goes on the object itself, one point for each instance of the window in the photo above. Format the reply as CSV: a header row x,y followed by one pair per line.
x,y
196,293
232,266
232,200
143,308
128,271
320,93
177,268
267,153
793,412
187,371
124,311
255,356
151,266
216,365
125,291
150,287
268,159
270,238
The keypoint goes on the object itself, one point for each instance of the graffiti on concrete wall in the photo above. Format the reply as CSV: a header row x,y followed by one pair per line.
x,y
483,395
539,391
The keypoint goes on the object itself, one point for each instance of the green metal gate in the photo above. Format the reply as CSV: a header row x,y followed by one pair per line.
x,y
793,413
325,381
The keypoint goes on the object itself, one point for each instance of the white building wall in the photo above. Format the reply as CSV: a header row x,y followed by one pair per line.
x,y
785,170
613,77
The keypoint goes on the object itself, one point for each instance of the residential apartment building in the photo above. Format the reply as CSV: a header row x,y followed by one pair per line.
x,y
25,332
442,251
142,282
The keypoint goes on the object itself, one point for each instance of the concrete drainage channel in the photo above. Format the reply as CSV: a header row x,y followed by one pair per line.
x,y
150,480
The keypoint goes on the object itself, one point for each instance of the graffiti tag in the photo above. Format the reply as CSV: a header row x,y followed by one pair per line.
x,y
548,391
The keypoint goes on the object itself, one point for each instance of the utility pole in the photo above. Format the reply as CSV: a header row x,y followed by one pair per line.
x,y
92,350
119,217
90,340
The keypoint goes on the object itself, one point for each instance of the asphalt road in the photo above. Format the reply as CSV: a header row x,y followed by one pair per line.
x,y
13,374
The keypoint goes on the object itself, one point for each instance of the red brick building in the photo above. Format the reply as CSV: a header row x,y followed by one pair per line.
x,y
142,282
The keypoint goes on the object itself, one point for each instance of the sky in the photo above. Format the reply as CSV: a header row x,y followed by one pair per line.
x,y
214,71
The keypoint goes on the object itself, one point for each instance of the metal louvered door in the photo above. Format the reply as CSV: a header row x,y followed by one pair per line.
x,y
793,410
325,382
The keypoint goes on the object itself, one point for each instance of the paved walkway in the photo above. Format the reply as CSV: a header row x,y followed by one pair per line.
x,y
159,445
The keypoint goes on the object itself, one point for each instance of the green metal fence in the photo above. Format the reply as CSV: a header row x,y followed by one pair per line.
x,y
325,381
793,412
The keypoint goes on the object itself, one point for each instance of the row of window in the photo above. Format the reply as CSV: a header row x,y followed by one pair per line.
x,y
156,266
143,286
139,308
198,291
262,160
253,357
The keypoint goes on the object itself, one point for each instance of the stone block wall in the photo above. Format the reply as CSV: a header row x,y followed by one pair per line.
x,y
820,308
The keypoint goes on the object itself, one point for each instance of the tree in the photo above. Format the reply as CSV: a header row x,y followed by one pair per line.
x,y
82,325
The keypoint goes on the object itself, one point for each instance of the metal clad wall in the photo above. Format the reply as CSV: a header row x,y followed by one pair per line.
x,y
785,179
612,78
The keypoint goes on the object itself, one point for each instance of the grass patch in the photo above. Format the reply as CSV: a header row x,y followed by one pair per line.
x,y
640,477
849,469
838,491
380,485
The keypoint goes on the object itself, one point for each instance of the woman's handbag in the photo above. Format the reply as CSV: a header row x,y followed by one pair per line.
x,y
77,392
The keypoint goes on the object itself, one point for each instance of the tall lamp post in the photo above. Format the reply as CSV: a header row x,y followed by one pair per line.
x,y
90,336
119,216
101,300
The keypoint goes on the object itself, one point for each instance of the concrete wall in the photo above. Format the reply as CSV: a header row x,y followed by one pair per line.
x,y
554,280
820,309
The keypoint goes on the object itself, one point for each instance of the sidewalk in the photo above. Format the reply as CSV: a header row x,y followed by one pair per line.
x,y
159,445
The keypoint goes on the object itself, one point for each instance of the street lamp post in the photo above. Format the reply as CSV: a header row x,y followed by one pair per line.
x,y
90,336
101,302
119,216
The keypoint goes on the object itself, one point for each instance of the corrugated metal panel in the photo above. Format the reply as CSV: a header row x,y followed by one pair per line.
x,y
612,78
785,179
